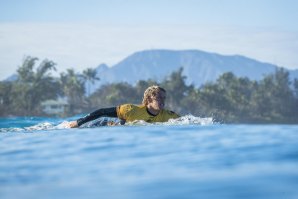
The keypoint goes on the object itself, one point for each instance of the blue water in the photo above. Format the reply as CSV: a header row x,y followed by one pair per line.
x,y
189,158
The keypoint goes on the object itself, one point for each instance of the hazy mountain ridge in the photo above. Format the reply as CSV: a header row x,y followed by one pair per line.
x,y
199,67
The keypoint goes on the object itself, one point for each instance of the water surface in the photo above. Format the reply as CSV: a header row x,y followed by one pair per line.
x,y
190,158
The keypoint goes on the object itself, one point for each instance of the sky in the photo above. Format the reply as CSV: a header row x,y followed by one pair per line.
x,y
85,33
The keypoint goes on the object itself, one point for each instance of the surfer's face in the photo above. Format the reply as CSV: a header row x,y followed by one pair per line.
x,y
158,101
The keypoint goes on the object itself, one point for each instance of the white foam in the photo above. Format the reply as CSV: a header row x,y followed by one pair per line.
x,y
184,120
40,126
191,120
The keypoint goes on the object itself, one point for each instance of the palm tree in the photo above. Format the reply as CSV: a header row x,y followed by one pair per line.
x,y
73,88
90,76
33,87
25,71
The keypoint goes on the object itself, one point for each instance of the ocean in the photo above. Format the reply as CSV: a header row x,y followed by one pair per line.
x,y
187,158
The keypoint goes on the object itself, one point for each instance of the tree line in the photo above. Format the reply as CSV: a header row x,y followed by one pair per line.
x,y
230,99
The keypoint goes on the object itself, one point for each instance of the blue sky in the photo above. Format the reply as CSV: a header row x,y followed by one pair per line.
x,y
85,33
264,13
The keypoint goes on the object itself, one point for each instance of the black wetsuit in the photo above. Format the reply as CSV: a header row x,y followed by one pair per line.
x,y
103,112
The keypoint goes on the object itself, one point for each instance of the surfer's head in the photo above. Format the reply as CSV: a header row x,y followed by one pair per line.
x,y
154,96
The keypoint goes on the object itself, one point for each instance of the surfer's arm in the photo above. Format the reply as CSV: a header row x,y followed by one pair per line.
x,y
108,112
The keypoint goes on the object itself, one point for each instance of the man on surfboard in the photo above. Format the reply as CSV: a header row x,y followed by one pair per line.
x,y
151,110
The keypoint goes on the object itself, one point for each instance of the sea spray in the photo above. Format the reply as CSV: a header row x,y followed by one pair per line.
x,y
56,123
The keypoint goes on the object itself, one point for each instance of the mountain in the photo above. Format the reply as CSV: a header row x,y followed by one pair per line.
x,y
199,67
11,78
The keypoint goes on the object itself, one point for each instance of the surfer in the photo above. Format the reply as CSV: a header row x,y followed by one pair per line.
x,y
151,110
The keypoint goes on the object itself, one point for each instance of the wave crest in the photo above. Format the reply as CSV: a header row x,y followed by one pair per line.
x,y
105,121
184,120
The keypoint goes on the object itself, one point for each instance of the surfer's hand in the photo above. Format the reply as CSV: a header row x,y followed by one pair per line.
x,y
72,124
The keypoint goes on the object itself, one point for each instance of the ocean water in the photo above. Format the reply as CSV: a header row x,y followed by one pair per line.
x,y
187,158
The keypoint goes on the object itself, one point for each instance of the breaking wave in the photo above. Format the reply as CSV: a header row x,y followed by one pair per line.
x,y
184,120
21,124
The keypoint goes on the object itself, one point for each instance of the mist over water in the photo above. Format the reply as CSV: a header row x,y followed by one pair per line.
x,y
186,158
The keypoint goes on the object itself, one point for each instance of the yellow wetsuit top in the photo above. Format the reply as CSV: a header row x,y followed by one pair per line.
x,y
130,112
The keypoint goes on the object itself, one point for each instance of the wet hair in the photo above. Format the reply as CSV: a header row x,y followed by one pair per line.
x,y
151,91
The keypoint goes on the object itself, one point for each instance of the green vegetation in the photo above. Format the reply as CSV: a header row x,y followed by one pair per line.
x,y
230,99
